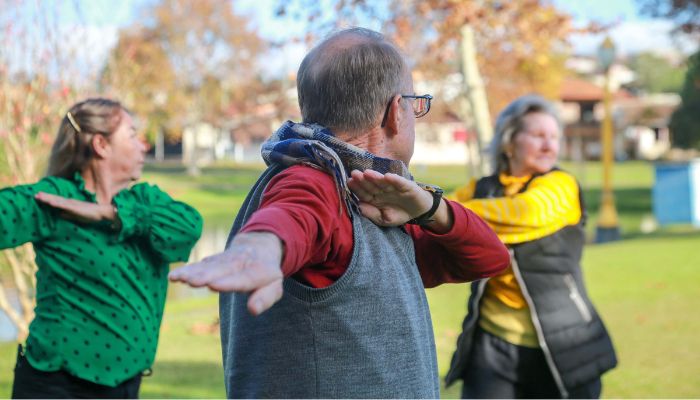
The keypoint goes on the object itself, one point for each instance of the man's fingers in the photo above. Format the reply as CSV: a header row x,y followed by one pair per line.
x,y
372,213
356,186
370,174
205,271
373,187
238,269
244,280
265,284
390,182
360,193
361,181
196,274
263,298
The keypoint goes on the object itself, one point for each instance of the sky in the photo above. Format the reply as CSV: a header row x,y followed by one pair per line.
x,y
632,33
99,22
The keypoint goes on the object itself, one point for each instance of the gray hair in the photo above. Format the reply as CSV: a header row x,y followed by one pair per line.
x,y
510,122
348,79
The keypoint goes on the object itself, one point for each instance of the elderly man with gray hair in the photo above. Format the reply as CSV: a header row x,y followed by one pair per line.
x,y
323,278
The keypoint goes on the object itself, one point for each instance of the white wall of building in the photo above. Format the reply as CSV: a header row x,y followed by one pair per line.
x,y
436,144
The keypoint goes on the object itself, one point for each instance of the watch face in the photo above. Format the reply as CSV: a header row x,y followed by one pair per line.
x,y
431,188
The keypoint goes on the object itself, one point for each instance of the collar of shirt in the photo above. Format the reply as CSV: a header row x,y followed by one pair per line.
x,y
513,184
80,182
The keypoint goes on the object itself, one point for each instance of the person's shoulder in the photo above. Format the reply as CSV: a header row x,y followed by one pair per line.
x,y
144,191
55,185
557,178
493,178
144,187
303,183
464,193
306,176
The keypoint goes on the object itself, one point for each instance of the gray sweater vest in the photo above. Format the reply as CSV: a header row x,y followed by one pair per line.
x,y
369,335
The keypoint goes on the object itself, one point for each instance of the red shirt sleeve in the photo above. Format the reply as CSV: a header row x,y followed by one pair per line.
x,y
301,206
469,251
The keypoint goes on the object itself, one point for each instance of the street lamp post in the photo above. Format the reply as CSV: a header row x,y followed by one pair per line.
x,y
608,228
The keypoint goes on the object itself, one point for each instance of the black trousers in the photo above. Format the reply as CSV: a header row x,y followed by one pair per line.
x,y
501,370
31,383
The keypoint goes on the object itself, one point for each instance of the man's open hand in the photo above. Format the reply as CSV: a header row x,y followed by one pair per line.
x,y
252,264
388,199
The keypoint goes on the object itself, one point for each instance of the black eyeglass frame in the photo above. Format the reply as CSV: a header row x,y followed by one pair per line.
x,y
427,97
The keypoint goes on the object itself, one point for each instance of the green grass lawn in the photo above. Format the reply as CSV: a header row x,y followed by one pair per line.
x,y
644,286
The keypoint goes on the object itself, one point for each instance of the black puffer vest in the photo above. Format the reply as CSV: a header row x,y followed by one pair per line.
x,y
571,334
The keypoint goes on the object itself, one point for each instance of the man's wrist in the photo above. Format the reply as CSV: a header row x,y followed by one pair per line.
x,y
443,220
427,217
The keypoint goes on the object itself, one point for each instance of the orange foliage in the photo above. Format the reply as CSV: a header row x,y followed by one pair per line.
x,y
521,45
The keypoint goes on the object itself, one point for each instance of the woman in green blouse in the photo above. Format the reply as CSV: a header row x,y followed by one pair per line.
x,y
103,248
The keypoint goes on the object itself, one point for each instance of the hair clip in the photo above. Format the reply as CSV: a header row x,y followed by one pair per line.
x,y
72,121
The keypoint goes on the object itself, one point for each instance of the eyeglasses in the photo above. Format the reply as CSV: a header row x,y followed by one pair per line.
x,y
421,105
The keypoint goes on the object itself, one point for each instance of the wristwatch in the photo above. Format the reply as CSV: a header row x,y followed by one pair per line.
x,y
427,217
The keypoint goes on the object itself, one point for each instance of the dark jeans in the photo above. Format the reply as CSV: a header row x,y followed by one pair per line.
x,y
501,370
31,383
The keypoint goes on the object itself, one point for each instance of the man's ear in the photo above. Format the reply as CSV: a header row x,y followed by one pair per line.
x,y
100,145
393,117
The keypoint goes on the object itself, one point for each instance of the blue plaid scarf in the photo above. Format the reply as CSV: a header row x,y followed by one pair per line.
x,y
315,146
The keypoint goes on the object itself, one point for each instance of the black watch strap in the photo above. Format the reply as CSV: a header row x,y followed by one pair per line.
x,y
427,217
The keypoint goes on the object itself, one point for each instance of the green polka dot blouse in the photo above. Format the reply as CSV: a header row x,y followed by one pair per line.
x,y
100,293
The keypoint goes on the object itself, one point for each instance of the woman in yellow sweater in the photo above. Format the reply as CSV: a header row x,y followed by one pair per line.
x,y
531,331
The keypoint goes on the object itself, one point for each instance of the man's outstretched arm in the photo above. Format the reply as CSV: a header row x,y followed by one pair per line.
x,y
298,224
251,264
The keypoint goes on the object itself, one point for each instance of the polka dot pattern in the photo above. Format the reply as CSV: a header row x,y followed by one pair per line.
x,y
100,293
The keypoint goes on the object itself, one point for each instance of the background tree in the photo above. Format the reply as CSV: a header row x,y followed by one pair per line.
x,y
209,46
684,13
655,74
191,62
35,61
685,121
521,45
140,74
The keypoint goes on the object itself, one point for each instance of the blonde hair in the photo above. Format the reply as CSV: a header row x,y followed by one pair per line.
x,y
72,149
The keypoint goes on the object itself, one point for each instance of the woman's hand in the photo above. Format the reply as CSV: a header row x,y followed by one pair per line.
x,y
78,210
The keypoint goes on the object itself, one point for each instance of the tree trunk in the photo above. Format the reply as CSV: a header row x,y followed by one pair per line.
x,y
474,88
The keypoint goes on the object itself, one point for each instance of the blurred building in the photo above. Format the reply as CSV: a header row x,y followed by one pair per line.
x,y
445,135
442,138
640,122
579,102
645,121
